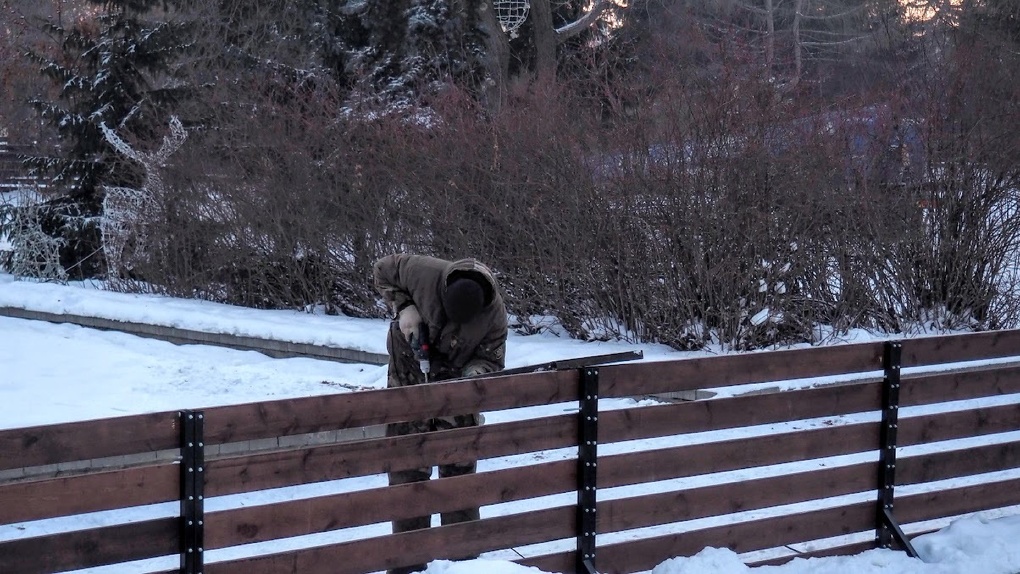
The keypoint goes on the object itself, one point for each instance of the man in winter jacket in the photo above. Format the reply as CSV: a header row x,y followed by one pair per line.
x,y
460,304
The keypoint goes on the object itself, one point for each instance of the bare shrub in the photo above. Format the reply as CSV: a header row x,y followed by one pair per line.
x,y
954,252
728,222
516,191
270,209
723,213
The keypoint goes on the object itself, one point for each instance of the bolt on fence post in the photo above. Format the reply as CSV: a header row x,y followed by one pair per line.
x,y
586,469
192,528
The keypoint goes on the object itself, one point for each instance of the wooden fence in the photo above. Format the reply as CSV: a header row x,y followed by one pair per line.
x,y
861,390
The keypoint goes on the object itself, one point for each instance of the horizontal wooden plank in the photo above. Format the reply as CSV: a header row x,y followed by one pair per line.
x,y
559,562
932,388
417,547
260,471
89,548
564,364
681,505
646,553
954,463
958,424
918,508
747,410
49,498
293,518
959,348
647,378
844,550
254,472
352,410
957,501
66,442
734,454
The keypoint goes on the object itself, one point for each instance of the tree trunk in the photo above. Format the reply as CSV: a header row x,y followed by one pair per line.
x,y
544,36
770,37
798,56
495,61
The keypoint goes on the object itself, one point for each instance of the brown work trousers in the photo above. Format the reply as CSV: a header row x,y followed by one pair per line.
x,y
405,371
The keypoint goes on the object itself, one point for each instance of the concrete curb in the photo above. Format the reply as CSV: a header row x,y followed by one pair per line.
x,y
177,336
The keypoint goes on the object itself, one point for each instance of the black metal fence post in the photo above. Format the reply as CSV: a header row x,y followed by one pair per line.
x,y
887,526
192,491
586,472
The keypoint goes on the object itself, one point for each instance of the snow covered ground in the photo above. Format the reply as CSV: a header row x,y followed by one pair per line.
x,y
57,373
80,373
969,545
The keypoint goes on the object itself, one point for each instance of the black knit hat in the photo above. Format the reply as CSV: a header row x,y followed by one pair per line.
x,y
463,299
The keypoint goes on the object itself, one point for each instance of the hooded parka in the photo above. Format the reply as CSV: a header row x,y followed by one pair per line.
x,y
478,346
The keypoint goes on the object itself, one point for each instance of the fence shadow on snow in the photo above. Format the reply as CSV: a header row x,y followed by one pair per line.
x,y
869,374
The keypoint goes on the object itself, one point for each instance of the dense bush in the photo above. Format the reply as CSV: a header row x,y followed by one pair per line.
x,y
655,190
692,227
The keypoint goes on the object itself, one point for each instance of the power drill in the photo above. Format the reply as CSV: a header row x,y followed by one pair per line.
x,y
420,346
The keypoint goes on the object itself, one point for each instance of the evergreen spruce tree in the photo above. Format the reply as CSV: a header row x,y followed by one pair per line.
x,y
117,70
407,48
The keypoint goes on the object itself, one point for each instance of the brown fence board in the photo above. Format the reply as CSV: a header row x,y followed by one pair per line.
x,y
747,410
956,501
943,387
350,410
734,454
51,444
844,550
259,523
958,348
790,529
420,546
958,424
271,470
645,554
765,533
663,508
44,498
49,498
954,463
646,378
88,548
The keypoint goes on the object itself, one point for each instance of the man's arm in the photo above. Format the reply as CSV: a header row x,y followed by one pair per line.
x,y
490,355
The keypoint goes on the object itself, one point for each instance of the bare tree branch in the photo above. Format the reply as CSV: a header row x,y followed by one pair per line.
x,y
577,26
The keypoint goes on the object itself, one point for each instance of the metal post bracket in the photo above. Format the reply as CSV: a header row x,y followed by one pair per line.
x,y
587,459
887,528
192,531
